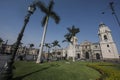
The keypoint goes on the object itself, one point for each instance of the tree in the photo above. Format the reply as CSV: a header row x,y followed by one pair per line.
x,y
55,44
69,37
48,45
31,46
1,46
48,13
73,31
8,72
1,40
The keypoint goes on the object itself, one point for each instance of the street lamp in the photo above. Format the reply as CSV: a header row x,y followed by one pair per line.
x,y
7,73
113,12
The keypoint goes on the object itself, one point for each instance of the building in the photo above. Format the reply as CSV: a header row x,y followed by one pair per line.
x,y
8,49
103,50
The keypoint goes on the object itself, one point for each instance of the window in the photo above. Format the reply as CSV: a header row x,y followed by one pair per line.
x,y
86,47
105,37
96,46
109,51
107,45
77,47
87,55
97,56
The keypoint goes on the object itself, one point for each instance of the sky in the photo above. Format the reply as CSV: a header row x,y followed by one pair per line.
x,y
83,14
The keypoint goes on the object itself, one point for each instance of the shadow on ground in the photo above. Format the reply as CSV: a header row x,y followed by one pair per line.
x,y
21,77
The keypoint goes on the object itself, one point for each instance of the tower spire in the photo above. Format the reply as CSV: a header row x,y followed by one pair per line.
x,y
101,24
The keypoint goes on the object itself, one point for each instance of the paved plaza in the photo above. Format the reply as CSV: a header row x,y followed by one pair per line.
x,y
3,60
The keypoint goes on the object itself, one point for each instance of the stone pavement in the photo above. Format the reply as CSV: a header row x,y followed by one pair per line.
x,y
3,60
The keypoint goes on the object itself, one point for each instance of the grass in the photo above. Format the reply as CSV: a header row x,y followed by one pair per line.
x,y
54,71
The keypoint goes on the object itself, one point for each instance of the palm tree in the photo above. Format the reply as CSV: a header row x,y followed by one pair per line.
x,y
70,37
48,13
55,44
48,46
30,48
73,31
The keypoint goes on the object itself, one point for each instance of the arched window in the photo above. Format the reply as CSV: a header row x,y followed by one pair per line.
x,y
105,37
78,55
87,55
97,56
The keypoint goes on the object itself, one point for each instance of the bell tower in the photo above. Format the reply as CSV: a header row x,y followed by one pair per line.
x,y
107,44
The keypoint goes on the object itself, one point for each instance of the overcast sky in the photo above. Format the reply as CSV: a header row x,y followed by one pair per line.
x,y
85,14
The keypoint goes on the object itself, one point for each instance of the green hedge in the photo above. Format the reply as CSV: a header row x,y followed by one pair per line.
x,y
109,71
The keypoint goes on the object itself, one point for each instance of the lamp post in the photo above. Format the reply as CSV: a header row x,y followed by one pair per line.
x,y
7,73
113,12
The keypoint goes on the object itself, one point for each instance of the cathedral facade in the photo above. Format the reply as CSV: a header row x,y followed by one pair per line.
x,y
103,50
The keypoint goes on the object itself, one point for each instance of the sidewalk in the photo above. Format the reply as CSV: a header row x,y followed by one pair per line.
x,y
3,60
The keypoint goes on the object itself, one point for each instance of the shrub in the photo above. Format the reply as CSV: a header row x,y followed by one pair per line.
x,y
109,71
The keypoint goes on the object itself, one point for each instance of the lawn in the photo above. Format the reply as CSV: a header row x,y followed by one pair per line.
x,y
54,71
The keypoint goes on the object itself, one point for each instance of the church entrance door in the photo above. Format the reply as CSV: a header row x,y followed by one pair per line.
x,y
87,55
97,56
78,55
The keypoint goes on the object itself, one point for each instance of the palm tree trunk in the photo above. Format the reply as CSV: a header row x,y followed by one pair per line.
x,y
73,49
43,39
73,52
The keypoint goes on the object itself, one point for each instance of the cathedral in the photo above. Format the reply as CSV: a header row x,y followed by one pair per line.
x,y
105,49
